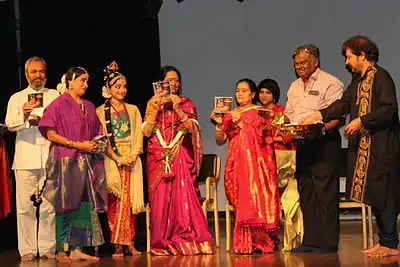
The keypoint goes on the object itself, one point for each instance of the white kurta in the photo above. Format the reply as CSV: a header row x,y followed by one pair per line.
x,y
31,152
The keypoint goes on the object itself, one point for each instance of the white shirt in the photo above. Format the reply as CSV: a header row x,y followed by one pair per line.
x,y
323,89
31,148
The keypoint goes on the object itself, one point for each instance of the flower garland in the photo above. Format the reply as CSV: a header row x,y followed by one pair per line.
x,y
167,155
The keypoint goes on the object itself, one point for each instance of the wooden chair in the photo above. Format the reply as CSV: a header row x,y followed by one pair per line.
x,y
209,175
228,209
148,232
366,211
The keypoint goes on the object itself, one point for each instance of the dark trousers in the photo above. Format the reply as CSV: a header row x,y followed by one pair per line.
x,y
386,219
318,185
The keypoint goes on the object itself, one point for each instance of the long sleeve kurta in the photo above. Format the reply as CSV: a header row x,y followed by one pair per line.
x,y
373,153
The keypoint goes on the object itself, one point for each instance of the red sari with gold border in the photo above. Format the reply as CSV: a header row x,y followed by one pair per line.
x,y
251,182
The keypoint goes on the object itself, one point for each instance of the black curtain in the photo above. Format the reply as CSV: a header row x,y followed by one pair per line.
x,y
89,34
92,35
9,85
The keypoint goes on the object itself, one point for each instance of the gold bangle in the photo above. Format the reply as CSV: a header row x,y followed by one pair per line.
x,y
151,122
69,143
185,119
219,128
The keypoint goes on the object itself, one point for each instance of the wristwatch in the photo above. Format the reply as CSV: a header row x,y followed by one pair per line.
x,y
323,130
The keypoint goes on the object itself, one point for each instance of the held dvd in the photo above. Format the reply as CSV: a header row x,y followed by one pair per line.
x,y
162,88
101,142
36,99
265,113
223,104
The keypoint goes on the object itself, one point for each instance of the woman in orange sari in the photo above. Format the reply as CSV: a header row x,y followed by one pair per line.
x,y
250,172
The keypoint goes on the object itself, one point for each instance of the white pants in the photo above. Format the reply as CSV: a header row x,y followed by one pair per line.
x,y
31,239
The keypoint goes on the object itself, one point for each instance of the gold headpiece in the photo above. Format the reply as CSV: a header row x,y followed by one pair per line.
x,y
111,74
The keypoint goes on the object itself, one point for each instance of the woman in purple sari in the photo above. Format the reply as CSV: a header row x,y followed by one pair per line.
x,y
174,153
75,183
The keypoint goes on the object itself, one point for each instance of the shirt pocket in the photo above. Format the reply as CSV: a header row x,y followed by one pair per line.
x,y
312,101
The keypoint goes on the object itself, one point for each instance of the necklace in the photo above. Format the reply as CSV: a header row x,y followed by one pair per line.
x,y
124,125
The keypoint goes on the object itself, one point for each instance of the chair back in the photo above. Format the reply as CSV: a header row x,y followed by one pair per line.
x,y
210,167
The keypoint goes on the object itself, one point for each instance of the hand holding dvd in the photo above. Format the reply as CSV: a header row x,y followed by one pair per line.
x,y
223,104
101,142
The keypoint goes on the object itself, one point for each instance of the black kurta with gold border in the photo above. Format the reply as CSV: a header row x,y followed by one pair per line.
x,y
373,153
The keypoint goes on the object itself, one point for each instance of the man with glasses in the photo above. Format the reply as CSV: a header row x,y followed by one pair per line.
x,y
317,154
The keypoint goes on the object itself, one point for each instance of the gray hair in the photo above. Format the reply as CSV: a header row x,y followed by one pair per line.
x,y
34,59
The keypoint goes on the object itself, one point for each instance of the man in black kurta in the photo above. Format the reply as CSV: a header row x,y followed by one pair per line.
x,y
374,139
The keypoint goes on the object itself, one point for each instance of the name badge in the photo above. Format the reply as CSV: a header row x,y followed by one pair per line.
x,y
313,92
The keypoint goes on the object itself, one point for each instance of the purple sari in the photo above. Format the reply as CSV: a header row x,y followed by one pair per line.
x,y
75,183
178,224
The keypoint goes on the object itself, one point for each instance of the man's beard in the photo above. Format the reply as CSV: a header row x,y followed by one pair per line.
x,y
350,69
36,85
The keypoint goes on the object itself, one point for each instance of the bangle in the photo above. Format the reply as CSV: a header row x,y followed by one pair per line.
x,y
69,143
185,118
219,128
151,122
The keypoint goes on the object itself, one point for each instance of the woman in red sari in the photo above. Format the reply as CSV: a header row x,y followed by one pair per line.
x,y
174,153
5,179
250,172
268,95
285,154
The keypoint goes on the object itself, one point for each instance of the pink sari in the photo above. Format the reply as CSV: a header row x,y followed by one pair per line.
x,y
178,224
251,182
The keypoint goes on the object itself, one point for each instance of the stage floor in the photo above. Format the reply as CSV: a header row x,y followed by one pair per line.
x,y
349,255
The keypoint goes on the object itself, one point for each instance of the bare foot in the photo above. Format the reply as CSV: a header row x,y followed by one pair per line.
x,y
49,255
28,257
384,252
62,258
77,255
134,251
370,250
119,252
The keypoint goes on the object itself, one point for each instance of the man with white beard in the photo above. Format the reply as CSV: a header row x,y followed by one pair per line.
x,y
31,152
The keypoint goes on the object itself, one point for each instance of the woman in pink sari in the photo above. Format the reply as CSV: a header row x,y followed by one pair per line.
x,y
250,172
174,153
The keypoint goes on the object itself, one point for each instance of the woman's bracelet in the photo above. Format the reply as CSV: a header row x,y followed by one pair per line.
x,y
185,118
69,143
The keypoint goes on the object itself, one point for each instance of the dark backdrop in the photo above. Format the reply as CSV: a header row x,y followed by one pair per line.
x,y
77,33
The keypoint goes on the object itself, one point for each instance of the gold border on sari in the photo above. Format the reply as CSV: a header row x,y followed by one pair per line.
x,y
360,174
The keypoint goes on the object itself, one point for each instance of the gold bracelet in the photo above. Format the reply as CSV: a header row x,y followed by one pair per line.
x,y
219,128
69,143
185,119
151,122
